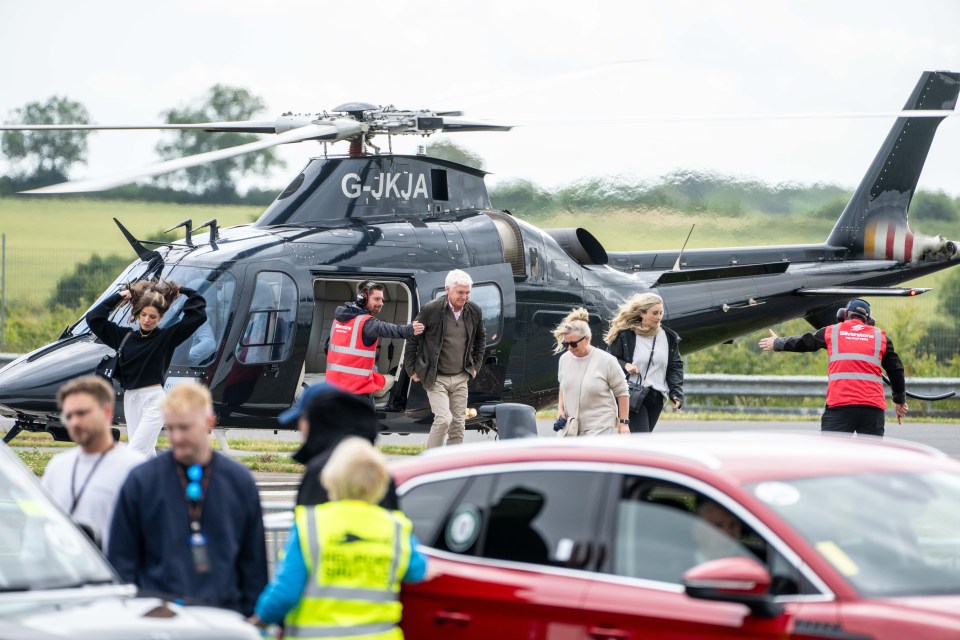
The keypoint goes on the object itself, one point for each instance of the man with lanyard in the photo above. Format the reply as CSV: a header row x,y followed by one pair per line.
x,y
188,523
352,355
856,351
85,481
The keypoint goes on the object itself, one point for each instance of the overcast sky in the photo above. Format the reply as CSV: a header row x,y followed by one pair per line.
x,y
572,73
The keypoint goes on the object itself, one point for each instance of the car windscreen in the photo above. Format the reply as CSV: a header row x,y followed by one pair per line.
x,y
39,547
889,534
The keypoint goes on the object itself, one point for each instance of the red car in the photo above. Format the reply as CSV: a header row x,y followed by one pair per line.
x,y
708,535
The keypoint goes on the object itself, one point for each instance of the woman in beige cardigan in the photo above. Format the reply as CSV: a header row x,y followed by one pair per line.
x,y
593,391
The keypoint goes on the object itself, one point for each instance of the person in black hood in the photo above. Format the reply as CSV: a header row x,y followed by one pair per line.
x,y
325,416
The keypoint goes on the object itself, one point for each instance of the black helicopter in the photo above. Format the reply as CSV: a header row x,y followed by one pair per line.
x,y
405,220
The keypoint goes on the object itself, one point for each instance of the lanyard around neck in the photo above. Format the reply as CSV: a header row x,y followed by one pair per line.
x,y
74,494
194,507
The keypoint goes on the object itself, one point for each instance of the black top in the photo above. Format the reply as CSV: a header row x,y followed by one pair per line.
x,y
144,360
890,362
151,527
626,341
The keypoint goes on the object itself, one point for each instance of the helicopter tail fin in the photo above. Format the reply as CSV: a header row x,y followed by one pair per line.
x,y
874,223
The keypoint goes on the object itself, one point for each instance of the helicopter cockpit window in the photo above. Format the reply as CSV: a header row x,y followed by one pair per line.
x,y
217,288
131,273
490,299
268,334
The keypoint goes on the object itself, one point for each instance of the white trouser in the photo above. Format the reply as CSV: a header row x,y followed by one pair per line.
x,y
141,409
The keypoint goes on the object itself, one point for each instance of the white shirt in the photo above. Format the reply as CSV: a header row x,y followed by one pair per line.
x,y
456,314
657,376
99,496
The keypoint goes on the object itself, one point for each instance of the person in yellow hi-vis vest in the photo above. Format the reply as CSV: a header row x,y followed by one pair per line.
x,y
344,561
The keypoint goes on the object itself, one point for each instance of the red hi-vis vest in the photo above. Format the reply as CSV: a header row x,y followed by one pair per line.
x,y
855,350
350,363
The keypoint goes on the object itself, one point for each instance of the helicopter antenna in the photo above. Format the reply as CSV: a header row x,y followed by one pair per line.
x,y
188,225
676,265
214,231
147,255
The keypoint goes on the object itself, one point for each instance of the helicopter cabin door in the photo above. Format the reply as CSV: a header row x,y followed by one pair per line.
x,y
493,290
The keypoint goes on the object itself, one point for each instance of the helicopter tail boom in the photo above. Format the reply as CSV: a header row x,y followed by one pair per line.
x,y
874,223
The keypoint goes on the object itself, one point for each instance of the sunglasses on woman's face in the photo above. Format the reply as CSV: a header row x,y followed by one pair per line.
x,y
567,345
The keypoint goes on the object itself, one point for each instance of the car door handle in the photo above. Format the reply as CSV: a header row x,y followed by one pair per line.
x,y
607,633
453,617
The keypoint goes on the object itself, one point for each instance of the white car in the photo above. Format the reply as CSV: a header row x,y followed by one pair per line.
x,y
55,583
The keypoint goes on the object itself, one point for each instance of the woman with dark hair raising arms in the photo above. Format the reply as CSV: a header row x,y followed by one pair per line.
x,y
649,355
147,350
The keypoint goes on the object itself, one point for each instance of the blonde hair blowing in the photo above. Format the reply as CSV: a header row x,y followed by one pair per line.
x,y
577,321
356,471
629,316
188,397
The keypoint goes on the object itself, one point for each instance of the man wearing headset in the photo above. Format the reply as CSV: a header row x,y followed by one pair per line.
x,y
352,354
856,351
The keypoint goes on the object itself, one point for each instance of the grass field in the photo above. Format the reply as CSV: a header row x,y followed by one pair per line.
x,y
267,455
47,237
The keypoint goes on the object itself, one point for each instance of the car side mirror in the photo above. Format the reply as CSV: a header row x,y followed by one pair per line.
x,y
737,579
91,533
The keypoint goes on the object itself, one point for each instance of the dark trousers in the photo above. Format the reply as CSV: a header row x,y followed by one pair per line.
x,y
854,418
645,420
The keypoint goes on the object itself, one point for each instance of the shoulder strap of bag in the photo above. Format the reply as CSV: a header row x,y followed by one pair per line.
x,y
123,342
649,361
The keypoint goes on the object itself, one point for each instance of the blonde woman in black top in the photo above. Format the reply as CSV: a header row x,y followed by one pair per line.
x,y
649,355
147,352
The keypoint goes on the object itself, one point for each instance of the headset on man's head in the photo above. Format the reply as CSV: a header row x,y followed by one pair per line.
x,y
363,296
853,309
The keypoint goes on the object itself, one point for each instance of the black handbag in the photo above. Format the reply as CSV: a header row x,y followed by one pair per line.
x,y
638,392
107,367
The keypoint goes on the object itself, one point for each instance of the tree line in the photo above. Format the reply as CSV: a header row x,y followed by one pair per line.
x,y
41,158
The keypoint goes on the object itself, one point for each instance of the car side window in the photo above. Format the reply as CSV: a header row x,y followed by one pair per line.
x,y
662,529
538,517
427,505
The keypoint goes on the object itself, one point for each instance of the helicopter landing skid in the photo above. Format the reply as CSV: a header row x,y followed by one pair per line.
x,y
36,424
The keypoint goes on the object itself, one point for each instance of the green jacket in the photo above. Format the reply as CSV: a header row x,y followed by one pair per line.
x,y
423,352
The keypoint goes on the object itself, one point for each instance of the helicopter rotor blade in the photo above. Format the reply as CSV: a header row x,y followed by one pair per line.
x,y
242,126
328,131
733,117
454,124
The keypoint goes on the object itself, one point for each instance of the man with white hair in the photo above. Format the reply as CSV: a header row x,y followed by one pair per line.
x,y
447,355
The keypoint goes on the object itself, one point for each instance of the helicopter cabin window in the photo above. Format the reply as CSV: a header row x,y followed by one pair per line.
x,y
490,299
268,334
438,179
